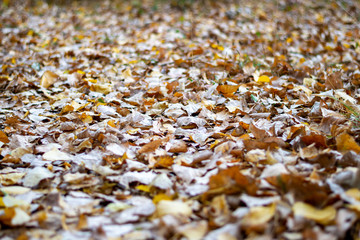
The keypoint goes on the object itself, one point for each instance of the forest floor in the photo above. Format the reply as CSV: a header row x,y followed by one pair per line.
x,y
207,120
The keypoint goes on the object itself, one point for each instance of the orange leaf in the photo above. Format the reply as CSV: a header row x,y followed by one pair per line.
x,y
229,181
345,142
111,123
227,90
3,137
82,224
151,146
67,108
164,161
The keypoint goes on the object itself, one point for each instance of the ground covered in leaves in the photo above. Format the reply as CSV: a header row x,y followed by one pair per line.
x,y
206,121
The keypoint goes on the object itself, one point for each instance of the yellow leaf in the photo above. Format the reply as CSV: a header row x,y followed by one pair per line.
x,y
345,142
214,144
323,216
263,79
67,108
101,88
258,216
354,193
86,118
144,188
111,123
162,196
356,208
14,216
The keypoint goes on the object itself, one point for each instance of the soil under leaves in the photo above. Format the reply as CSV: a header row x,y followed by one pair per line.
x,y
214,121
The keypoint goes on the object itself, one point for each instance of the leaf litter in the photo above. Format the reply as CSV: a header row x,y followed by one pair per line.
x,y
193,121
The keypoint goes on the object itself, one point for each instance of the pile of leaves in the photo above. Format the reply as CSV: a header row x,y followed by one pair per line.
x,y
219,121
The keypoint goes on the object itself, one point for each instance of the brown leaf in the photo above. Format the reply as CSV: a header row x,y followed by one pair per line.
x,y
303,189
82,224
319,140
333,81
230,181
48,79
151,146
170,86
177,147
258,132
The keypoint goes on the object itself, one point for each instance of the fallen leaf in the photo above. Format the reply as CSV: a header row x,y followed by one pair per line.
x,y
48,79
257,217
164,161
263,79
14,216
194,230
55,155
323,216
227,90
176,208
3,137
151,146
35,175
345,142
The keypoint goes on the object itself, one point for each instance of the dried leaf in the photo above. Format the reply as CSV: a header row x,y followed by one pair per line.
x,y
3,137
323,216
151,146
345,142
227,90
48,79
258,217
176,208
